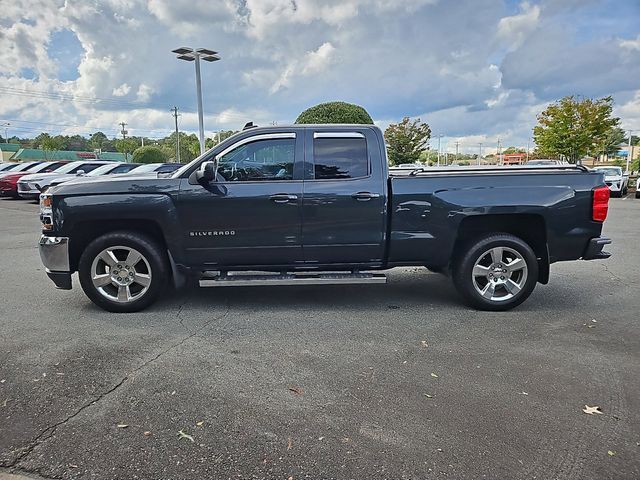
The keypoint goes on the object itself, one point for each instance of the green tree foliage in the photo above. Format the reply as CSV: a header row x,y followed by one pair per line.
x,y
335,112
406,140
219,138
149,154
513,150
574,128
612,141
127,145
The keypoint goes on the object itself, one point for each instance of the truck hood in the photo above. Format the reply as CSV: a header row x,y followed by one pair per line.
x,y
109,185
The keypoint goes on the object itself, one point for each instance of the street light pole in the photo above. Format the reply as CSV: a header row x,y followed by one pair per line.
x,y
629,152
194,55
6,132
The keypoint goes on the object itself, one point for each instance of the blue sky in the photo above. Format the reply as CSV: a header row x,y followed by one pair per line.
x,y
475,70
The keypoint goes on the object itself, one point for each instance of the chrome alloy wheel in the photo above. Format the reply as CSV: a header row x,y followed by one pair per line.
x,y
499,274
121,274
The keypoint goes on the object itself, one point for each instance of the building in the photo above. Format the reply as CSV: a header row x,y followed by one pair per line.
x,y
514,158
36,155
7,151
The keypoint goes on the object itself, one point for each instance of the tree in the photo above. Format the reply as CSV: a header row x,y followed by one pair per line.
x,y
126,145
220,137
574,128
513,150
612,141
98,140
149,154
335,112
406,140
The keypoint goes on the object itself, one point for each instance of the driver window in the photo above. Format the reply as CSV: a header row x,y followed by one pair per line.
x,y
269,159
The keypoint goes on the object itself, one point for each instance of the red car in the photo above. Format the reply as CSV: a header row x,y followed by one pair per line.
x,y
9,182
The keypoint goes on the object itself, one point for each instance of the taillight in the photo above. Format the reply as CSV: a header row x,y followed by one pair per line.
x,y
600,203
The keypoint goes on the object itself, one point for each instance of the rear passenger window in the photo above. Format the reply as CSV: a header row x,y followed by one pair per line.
x,y
336,158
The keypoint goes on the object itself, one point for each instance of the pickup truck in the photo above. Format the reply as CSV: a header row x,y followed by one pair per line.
x,y
316,204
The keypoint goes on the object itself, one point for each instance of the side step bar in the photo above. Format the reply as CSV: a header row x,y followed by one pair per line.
x,y
215,279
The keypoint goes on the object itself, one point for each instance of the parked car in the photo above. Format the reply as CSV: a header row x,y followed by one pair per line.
x,y
30,186
110,169
8,166
616,180
316,204
19,167
9,182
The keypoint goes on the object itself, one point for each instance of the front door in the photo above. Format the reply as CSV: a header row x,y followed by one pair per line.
x,y
250,216
344,208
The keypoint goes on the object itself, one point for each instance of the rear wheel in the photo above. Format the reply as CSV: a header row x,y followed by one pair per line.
x,y
497,272
123,271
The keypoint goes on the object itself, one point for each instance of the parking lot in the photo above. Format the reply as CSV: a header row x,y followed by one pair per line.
x,y
362,382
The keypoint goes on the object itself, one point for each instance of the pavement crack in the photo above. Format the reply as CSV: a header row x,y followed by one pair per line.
x,y
50,431
613,275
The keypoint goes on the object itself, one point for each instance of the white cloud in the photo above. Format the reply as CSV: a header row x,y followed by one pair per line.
x,y
516,28
122,90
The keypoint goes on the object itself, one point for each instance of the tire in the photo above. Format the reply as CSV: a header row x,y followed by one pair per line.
x,y
480,267
637,193
123,271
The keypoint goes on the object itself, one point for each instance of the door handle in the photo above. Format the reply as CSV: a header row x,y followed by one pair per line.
x,y
283,198
365,196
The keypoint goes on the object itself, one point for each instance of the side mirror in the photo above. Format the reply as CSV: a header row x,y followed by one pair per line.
x,y
207,172
80,173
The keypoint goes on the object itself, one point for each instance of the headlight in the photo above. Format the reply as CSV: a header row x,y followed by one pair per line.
x,y
46,211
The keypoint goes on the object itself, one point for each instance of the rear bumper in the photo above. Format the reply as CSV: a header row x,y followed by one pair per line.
x,y
54,253
594,249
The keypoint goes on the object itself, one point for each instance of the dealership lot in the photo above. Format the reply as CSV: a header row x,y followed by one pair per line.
x,y
396,381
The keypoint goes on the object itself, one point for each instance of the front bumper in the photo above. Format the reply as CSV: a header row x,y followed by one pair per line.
x,y
594,249
29,191
54,253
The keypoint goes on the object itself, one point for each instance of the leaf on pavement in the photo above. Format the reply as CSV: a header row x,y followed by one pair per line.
x,y
296,390
199,424
434,375
122,425
592,410
428,396
289,444
424,343
611,453
181,434
147,433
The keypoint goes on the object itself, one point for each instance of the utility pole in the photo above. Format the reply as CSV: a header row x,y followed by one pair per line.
x,y
175,116
439,138
528,140
6,132
480,154
629,152
457,143
124,137
142,140
499,153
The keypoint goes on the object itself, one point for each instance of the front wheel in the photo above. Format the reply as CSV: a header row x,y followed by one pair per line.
x,y
497,272
123,271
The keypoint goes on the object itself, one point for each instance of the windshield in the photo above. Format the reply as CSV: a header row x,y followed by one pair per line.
x,y
25,166
610,172
7,166
100,171
149,167
69,167
46,167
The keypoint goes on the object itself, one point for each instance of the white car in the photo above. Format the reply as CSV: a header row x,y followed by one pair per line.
x,y
638,188
30,186
616,180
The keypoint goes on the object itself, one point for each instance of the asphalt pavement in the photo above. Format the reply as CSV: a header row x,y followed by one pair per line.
x,y
348,382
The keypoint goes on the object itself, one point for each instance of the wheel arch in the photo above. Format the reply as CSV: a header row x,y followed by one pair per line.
x,y
531,228
85,232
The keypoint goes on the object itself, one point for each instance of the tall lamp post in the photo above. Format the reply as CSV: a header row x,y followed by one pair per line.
x,y
194,55
6,126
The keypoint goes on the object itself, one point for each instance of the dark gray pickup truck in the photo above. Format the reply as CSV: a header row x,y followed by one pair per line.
x,y
316,204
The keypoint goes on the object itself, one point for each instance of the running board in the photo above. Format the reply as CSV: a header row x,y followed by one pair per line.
x,y
214,279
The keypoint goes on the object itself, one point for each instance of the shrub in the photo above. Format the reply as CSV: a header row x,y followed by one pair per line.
x,y
335,112
149,154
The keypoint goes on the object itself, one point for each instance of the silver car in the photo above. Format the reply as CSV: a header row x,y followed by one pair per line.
x,y
30,186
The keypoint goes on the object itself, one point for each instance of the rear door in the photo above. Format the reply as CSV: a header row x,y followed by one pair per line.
x,y
250,216
344,207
